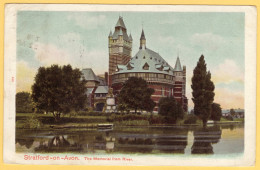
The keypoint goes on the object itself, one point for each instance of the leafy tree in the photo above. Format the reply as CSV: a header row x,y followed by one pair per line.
x,y
216,112
170,108
203,91
232,112
23,102
135,95
59,90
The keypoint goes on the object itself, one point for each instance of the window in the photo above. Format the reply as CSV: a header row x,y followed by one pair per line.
x,y
146,66
163,90
144,57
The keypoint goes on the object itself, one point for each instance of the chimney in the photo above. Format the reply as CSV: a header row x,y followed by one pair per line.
x,y
106,78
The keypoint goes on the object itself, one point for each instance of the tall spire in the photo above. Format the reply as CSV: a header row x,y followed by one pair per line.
x,y
178,65
120,22
110,34
142,41
142,35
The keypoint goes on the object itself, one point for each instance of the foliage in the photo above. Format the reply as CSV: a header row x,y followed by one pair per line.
x,y
135,95
216,112
59,90
170,108
126,117
23,102
33,122
203,91
191,119
232,112
132,123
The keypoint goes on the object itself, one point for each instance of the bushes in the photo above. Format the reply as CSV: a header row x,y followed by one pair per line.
x,y
119,118
191,119
133,123
90,113
33,122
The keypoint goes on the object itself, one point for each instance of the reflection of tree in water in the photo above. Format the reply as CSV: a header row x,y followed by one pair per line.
x,y
204,138
25,142
104,142
135,144
170,141
57,144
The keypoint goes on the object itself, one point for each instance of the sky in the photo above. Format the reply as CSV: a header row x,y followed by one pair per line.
x,y
81,39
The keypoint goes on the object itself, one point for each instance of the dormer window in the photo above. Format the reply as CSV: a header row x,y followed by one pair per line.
x,y
136,57
151,58
146,66
129,66
144,57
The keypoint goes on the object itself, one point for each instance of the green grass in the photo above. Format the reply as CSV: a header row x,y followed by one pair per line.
x,y
48,119
132,123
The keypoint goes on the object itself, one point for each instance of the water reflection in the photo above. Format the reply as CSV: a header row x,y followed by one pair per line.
x,y
204,138
57,144
171,140
25,142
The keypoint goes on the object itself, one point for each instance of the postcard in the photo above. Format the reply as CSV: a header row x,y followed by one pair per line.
x,y
149,85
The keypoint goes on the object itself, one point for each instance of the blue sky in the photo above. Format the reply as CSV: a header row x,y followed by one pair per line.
x,y
81,39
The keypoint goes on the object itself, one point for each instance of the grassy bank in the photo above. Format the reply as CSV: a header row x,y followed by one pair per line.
x,y
32,120
46,121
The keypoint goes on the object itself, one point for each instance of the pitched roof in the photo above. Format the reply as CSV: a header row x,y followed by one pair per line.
x,y
88,74
101,89
110,34
130,37
178,65
146,56
142,35
120,23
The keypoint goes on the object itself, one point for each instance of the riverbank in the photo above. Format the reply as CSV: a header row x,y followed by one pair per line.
x,y
42,121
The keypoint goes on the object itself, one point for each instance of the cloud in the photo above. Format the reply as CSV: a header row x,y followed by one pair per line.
x,y
207,41
74,54
229,98
48,54
87,22
227,72
24,76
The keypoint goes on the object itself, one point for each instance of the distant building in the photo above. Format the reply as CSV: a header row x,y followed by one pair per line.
x,y
239,113
97,89
147,64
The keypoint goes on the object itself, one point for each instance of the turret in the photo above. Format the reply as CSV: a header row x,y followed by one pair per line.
x,y
178,65
142,41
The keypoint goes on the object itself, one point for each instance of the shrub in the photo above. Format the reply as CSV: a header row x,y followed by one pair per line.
x,y
33,122
191,119
133,123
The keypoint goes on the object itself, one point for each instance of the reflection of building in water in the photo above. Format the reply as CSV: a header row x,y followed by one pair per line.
x,y
204,138
106,142
57,144
146,143
25,142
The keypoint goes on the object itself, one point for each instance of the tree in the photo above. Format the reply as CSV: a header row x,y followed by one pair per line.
x,y
135,95
23,102
59,90
170,108
203,91
232,112
216,112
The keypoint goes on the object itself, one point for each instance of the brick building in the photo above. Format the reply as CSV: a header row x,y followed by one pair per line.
x,y
164,79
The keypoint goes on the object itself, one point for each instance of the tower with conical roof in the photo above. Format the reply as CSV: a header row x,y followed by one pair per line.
x,y
142,41
120,47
